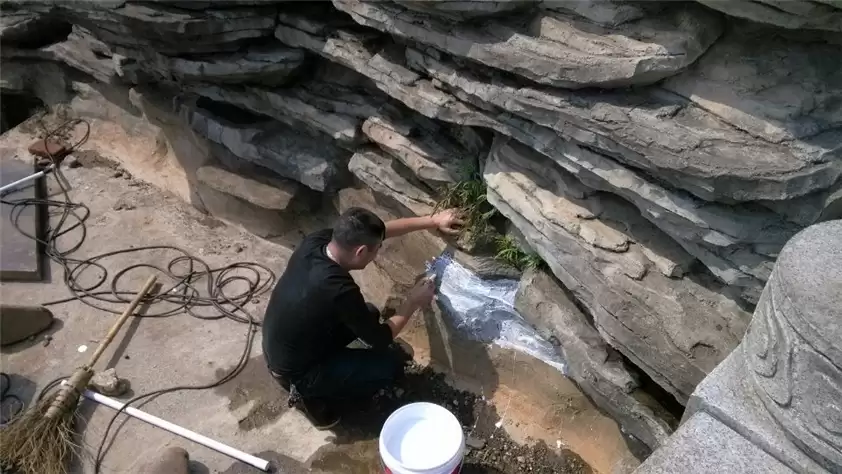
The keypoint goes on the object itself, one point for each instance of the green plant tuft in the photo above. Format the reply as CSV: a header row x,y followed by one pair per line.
x,y
469,196
510,253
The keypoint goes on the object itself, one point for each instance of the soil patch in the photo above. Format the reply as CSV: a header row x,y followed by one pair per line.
x,y
354,448
494,450
92,159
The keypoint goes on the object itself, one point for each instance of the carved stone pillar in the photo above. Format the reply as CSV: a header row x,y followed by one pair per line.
x,y
775,404
794,343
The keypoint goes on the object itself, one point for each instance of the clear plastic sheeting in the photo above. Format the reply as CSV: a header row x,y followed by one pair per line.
x,y
483,310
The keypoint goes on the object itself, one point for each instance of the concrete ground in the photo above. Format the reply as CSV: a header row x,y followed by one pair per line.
x,y
155,353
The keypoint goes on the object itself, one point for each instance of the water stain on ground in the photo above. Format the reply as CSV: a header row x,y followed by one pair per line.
x,y
358,458
354,447
254,386
281,464
93,159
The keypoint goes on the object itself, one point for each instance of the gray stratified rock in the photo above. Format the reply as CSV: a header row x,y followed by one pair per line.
x,y
85,53
737,242
797,14
717,235
486,267
269,64
316,163
262,191
80,51
665,134
377,170
205,4
655,130
676,330
163,28
557,48
461,9
776,86
422,145
603,12
46,80
384,65
320,107
30,29
543,303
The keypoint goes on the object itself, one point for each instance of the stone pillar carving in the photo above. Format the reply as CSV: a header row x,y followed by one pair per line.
x,y
794,343
774,406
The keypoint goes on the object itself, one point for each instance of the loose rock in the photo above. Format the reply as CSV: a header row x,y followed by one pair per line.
x,y
124,204
72,162
108,383
475,443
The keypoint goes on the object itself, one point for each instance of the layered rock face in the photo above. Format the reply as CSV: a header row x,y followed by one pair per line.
x,y
656,155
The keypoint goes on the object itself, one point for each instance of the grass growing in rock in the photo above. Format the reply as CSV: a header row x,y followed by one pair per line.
x,y
510,253
469,195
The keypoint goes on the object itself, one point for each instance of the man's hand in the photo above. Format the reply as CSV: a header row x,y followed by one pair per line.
x,y
449,221
422,293
419,296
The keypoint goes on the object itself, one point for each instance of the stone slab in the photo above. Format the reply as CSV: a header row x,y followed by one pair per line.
x,y
728,395
263,191
20,256
704,445
20,322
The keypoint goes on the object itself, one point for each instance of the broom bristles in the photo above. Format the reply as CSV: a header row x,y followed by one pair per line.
x,y
35,444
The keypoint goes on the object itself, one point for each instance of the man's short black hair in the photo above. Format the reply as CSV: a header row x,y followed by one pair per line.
x,y
358,226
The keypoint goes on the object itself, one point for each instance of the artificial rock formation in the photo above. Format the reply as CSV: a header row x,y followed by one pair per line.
x,y
557,48
656,155
592,363
620,267
809,14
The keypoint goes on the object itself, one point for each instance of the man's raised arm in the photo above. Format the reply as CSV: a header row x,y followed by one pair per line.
x,y
448,222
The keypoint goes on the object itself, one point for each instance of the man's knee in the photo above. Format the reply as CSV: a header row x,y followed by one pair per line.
x,y
373,311
390,364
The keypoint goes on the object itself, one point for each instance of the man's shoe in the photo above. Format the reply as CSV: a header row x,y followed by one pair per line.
x,y
319,414
403,350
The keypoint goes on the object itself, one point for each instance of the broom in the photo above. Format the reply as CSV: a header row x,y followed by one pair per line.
x,y
41,440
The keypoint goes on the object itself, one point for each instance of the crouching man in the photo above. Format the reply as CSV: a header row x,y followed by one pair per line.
x,y
317,310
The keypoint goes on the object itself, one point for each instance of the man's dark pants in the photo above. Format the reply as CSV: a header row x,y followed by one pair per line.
x,y
350,373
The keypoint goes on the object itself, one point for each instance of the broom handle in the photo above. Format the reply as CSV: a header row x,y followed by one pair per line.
x,y
121,320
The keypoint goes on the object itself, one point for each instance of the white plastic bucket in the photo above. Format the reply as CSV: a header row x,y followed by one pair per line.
x,y
422,438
